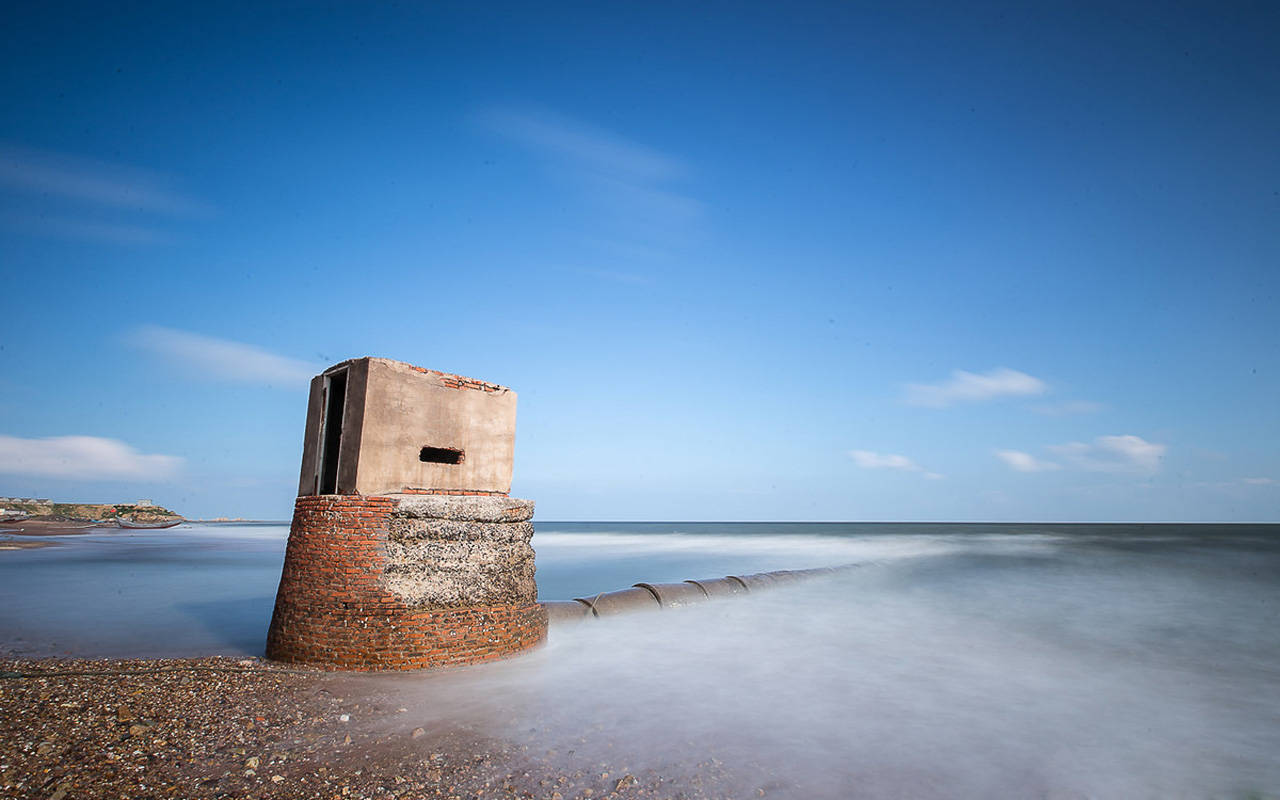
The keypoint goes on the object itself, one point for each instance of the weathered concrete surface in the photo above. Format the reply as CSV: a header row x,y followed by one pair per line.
x,y
471,509
410,529
444,552
309,480
392,410
467,573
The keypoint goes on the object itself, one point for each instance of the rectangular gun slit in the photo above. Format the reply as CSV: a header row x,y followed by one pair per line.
x,y
441,455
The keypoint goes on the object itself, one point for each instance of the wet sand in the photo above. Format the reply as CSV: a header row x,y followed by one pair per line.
x,y
29,534
32,533
8,542
55,527
218,727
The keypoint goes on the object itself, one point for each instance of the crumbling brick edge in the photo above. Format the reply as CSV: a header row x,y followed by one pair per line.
x,y
455,492
458,381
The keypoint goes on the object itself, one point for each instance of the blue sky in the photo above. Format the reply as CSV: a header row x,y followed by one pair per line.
x,y
777,261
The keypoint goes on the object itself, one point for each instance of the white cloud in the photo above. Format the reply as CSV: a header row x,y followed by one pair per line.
x,y
89,457
1025,462
870,460
1068,409
94,182
222,358
1127,453
970,386
1261,481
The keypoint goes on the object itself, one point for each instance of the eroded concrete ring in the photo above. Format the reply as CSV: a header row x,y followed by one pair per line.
x,y
483,508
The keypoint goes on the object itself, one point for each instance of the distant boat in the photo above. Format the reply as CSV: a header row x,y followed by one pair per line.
x,y
124,522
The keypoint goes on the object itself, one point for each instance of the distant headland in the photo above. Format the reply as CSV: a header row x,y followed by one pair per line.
x,y
32,509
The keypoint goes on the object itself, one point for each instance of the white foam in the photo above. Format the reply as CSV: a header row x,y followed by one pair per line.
x,y
994,682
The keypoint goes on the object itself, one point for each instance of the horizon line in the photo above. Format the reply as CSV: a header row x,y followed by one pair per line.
x,y
831,522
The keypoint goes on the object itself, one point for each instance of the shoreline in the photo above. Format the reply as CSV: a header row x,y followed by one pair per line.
x,y
54,527
36,529
33,530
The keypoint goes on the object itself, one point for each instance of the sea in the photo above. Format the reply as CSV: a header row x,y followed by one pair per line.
x,y
956,660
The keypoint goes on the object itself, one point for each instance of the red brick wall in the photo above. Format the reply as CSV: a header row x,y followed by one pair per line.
x,y
331,611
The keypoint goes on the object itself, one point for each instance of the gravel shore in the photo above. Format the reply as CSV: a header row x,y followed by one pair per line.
x,y
227,728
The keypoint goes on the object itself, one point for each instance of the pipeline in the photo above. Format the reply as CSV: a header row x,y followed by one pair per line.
x,y
657,596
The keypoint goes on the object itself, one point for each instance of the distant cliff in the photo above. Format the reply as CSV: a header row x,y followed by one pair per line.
x,y
88,512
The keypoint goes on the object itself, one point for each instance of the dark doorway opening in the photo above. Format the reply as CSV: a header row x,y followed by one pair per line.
x,y
331,447
441,455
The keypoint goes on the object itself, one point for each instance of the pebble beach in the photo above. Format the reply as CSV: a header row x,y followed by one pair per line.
x,y
247,728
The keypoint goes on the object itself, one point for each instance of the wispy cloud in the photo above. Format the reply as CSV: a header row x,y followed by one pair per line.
x,y
93,182
616,276
1025,462
91,230
1068,409
583,145
653,204
871,460
1125,453
79,198
90,457
1237,487
222,358
972,387
635,186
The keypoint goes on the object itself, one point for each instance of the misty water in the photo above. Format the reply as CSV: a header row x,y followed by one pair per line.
x,y
957,661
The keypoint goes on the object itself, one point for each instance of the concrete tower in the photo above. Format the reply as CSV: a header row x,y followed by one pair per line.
x,y
406,550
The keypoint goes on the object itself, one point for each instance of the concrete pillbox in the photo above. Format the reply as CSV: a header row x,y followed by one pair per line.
x,y
406,551
376,426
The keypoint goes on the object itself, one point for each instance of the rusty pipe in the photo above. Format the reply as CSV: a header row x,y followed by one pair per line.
x,y
561,611
674,595
721,587
610,603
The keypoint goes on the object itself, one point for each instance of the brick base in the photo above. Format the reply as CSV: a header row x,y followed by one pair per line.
x,y
332,611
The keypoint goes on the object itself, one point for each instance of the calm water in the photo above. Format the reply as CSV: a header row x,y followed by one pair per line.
x,y
960,661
